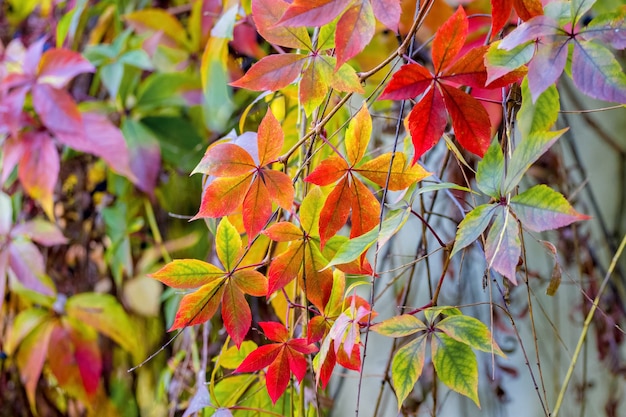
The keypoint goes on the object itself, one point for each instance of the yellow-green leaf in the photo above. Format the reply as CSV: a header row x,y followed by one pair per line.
x,y
407,367
470,331
400,326
401,175
227,244
456,365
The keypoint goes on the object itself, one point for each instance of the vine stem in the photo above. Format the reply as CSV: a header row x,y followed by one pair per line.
x,y
587,323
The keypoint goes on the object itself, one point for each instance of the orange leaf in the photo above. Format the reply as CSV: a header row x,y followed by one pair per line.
x,y
279,187
270,139
328,171
223,196
225,160
199,306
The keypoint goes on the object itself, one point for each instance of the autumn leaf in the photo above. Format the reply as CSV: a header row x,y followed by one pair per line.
x,y
303,257
216,286
440,95
349,194
246,182
283,358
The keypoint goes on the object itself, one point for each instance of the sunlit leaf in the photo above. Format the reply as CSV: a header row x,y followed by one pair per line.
x,y
407,366
471,331
400,326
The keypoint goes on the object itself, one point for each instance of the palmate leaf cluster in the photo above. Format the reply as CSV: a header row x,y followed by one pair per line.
x,y
299,197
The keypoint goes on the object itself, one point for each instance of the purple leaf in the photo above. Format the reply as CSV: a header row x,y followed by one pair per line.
x,y
541,208
12,150
546,67
200,400
535,28
105,140
145,154
387,12
41,231
608,28
27,264
59,114
597,73
503,247
33,56
6,215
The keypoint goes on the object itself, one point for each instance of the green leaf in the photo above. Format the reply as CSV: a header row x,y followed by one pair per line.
x,y
541,208
105,314
400,326
490,172
444,186
472,226
500,62
310,211
526,153
227,244
137,58
470,331
456,365
407,367
25,322
541,115
217,105
353,248
232,357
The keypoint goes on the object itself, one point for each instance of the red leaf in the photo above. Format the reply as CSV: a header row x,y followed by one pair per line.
x,y
470,69
355,30
353,361
313,12
274,331
58,66
500,14
427,122
470,120
273,72
223,196
387,12
257,208
59,114
236,314
266,13
328,171
449,39
278,375
409,81
365,209
335,211
260,358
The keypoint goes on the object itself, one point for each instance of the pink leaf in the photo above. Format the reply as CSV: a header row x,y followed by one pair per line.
x,y
387,12
537,27
59,114
38,169
58,66
546,67
106,140
41,231
313,12
27,264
